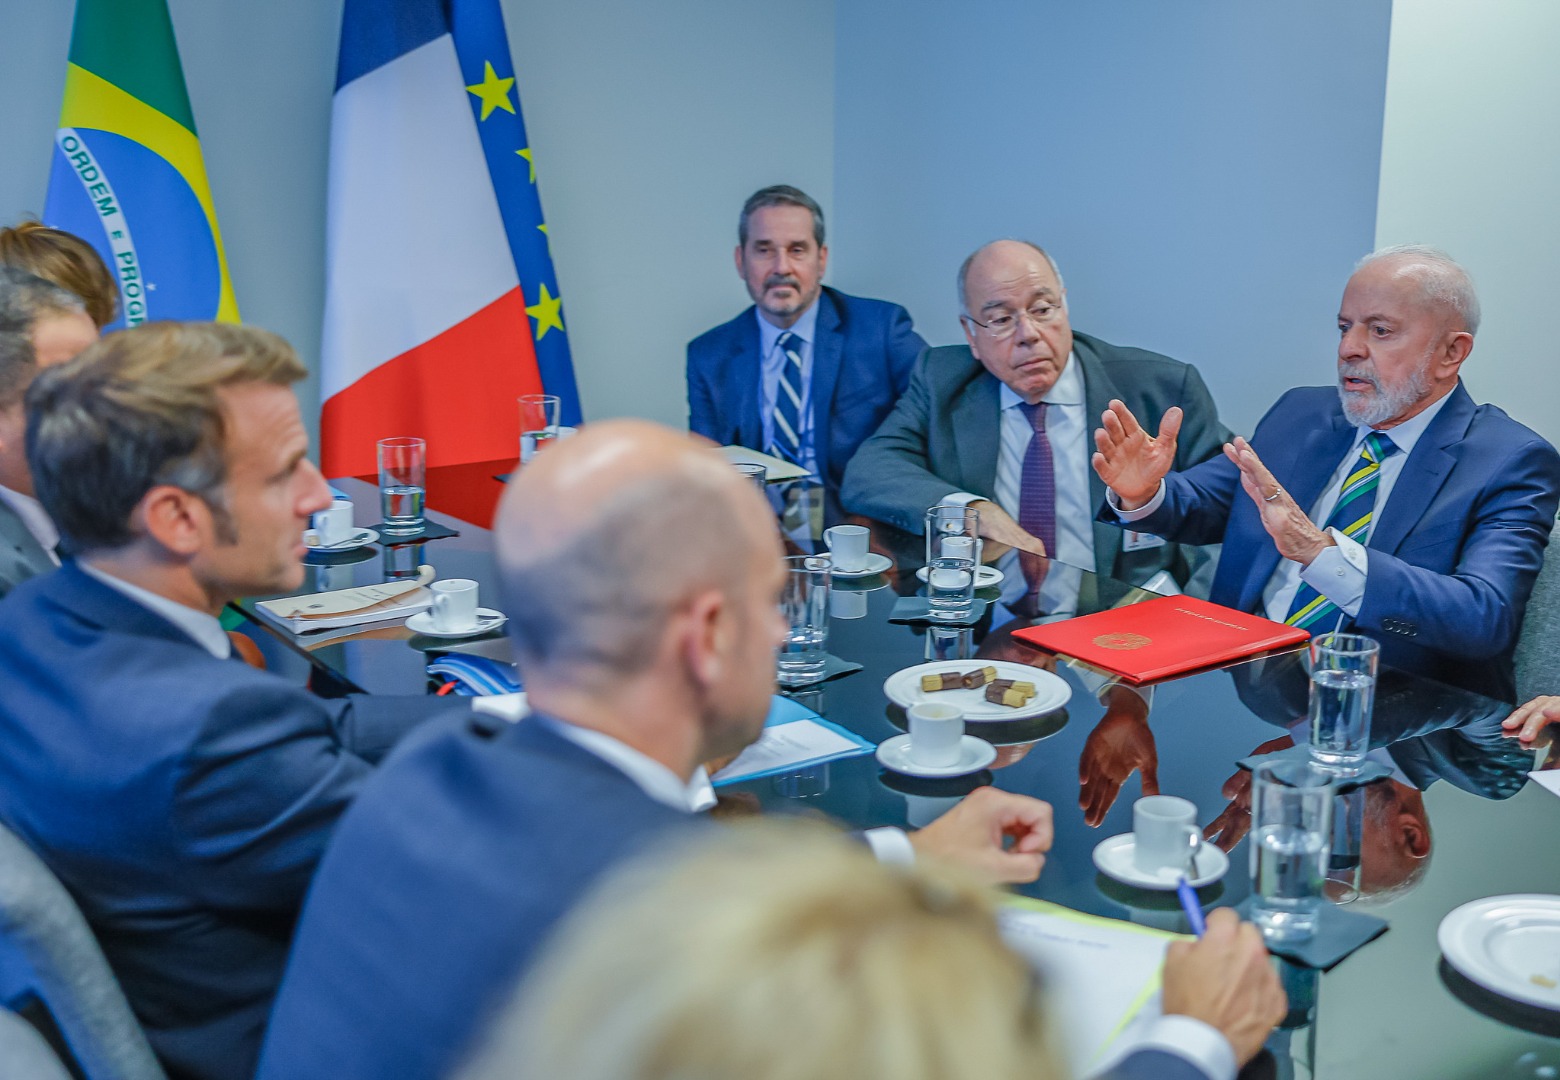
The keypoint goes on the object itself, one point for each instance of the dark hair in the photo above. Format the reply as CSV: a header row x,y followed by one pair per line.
x,y
138,409
18,365
780,195
66,260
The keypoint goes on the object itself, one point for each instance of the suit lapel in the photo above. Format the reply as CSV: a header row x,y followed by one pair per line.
x,y
826,350
977,431
14,534
1423,473
1098,389
745,370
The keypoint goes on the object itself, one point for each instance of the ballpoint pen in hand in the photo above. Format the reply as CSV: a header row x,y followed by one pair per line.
x,y
1189,903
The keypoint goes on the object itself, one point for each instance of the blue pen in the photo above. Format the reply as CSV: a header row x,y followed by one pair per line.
x,y
1189,904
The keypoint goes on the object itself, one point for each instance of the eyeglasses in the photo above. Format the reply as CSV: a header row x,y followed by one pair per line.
x,y
1004,323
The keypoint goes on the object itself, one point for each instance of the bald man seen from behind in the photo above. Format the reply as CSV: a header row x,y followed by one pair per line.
x,y
641,577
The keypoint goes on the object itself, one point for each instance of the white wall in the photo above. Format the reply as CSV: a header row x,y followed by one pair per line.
x,y
1470,162
650,124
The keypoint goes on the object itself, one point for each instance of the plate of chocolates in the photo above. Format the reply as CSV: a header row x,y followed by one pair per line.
x,y
985,689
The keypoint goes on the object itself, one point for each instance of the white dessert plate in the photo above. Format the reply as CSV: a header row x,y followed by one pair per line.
x,y
875,564
358,539
1113,858
974,755
986,577
1509,945
487,619
1051,691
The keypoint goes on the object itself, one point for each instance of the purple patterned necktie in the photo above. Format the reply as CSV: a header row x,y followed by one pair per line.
x,y
1037,494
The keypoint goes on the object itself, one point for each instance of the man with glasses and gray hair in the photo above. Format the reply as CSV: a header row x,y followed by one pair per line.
x,y
1004,423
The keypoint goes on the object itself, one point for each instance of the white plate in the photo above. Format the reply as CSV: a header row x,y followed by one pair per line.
x,y
487,619
974,755
1051,691
986,577
1502,942
875,564
1113,857
358,539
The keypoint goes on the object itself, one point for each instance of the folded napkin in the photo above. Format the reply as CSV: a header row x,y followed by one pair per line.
x,y
1370,772
917,609
1339,932
431,530
833,668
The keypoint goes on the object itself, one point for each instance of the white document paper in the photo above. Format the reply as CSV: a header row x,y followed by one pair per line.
x,y
785,746
1547,778
775,469
1101,976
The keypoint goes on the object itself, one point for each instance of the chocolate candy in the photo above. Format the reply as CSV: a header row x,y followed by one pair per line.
x,y
948,680
974,680
1009,696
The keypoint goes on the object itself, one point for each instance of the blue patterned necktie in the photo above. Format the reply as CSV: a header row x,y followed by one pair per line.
x,y
1352,517
787,439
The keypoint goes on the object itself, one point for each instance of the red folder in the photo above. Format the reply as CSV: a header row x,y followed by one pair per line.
x,y
1163,637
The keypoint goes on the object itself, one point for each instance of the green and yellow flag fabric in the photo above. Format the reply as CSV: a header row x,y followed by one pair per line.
x,y
128,175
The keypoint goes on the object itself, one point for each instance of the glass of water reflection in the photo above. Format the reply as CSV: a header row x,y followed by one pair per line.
x,y
952,555
403,471
805,604
1291,828
1343,693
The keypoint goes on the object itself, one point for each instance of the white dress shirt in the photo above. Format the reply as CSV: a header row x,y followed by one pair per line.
x,y
1338,573
773,360
205,629
35,518
1067,428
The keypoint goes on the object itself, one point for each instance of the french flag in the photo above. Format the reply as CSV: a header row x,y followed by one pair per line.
x,y
441,305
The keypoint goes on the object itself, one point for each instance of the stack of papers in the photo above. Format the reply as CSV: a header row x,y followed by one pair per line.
x,y
794,738
347,607
775,469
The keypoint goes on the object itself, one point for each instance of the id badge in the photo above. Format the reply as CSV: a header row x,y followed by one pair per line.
x,y
1140,541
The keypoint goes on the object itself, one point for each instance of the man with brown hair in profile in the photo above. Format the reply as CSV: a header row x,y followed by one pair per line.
x,y
66,260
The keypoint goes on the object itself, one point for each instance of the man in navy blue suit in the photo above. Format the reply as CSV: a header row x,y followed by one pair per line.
x,y
641,575
182,796
807,372
1391,505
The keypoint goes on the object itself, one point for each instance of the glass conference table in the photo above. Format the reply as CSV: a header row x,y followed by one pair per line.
x,y
1456,821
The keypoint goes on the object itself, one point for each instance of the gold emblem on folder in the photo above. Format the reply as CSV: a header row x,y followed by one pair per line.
x,y
1122,642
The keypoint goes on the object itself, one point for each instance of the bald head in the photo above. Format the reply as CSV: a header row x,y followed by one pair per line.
x,y
601,538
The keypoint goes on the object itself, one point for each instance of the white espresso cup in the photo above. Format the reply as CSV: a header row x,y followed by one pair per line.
x,y
454,605
1163,828
848,546
333,525
935,733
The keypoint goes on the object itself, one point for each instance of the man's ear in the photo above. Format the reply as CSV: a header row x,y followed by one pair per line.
x,y
1455,348
177,520
737,258
706,626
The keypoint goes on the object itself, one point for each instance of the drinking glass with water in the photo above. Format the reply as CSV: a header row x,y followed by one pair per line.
x,y
539,417
805,605
1291,827
1343,693
952,554
403,471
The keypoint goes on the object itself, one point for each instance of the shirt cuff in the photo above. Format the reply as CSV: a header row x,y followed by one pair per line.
x,y
509,707
890,846
960,498
1114,502
1338,573
701,793
1191,1040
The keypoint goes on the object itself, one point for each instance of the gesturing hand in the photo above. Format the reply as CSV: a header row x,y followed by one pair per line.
x,y
1128,459
975,835
1294,533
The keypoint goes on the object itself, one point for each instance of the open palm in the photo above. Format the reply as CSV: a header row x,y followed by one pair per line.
x,y
1128,459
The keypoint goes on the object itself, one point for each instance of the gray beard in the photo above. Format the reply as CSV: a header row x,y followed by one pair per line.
x,y
1381,405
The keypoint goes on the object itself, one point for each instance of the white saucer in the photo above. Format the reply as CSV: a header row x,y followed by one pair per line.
x,y
358,539
974,755
1113,857
1507,944
875,564
487,619
1052,691
985,578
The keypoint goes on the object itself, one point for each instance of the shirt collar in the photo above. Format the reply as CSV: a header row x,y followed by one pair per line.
x,y
649,775
1406,434
1067,390
205,629
804,328
34,517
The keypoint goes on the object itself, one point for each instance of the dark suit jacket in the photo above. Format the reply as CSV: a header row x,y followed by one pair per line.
x,y
183,800
861,362
945,436
21,557
1452,556
441,883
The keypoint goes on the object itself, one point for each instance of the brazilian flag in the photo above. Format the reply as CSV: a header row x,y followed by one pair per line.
x,y
128,175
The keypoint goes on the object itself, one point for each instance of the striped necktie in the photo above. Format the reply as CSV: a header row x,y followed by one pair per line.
x,y
1352,517
787,439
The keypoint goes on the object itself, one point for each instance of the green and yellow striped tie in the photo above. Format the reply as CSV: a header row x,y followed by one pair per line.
x,y
1352,517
